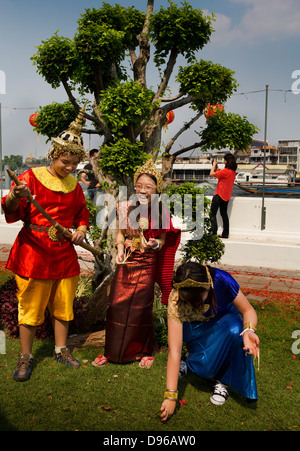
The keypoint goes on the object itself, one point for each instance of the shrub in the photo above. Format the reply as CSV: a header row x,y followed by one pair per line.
x,y
209,248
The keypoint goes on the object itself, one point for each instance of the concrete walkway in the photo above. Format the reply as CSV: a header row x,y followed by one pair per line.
x,y
265,279
253,278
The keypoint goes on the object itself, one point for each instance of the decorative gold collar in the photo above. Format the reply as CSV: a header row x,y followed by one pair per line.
x,y
65,185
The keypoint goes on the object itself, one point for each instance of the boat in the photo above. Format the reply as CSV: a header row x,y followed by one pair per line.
x,y
279,190
257,179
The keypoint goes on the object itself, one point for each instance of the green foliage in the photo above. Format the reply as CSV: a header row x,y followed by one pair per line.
x,y
160,320
207,83
121,159
13,162
103,37
93,63
124,105
55,59
209,248
54,118
184,30
98,48
128,20
94,230
186,189
227,130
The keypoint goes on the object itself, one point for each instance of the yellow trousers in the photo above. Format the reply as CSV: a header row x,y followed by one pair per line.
x,y
35,295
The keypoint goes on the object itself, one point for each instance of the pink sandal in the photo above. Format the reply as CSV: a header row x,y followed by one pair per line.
x,y
145,362
99,361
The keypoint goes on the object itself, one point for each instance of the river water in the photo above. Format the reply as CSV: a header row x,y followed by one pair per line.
x,y
238,192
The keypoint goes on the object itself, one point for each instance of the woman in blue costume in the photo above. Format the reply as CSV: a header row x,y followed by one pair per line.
x,y
208,311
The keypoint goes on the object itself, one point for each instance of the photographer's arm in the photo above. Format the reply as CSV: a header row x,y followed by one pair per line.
x,y
214,169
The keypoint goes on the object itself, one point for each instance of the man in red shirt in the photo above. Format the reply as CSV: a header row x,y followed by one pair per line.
x,y
222,195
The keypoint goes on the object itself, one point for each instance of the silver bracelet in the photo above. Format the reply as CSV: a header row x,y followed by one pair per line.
x,y
157,246
245,330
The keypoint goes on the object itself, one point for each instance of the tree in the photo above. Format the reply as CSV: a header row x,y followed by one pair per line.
x,y
108,60
127,114
13,161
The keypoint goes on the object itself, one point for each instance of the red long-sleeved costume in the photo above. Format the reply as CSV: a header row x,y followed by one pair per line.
x,y
33,253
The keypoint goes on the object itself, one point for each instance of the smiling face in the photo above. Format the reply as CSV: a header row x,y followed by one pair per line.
x,y
145,186
64,165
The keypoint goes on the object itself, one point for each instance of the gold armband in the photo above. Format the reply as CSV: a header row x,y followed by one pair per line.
x,y
249,326
171,394
119,242
82,228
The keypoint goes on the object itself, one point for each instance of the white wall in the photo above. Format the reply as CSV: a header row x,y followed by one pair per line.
x,y
278,246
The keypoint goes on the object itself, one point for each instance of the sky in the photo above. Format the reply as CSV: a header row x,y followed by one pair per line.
x,y
258,39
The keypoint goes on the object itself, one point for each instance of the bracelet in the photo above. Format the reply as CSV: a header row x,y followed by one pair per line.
x,y
119,242
250,325
171,394
245,330
82,228
158,246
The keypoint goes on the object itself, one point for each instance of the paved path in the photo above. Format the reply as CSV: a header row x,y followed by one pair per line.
x,y
265,279
254,278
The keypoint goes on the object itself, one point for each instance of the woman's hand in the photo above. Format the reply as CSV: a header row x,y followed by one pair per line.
x,y
120,256
151,243
167,409
251,343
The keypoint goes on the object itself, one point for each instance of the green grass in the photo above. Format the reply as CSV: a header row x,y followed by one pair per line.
x,y
127,398
4,274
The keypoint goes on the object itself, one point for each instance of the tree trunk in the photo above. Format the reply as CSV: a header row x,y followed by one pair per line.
x,y
167,165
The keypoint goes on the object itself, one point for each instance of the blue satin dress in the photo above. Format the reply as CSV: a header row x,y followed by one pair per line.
x,y
216,348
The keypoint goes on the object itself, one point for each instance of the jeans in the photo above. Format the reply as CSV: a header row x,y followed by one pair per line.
x,y
218,202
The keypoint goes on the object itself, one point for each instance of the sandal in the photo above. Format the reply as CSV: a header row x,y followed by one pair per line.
x,y
145,362
99,361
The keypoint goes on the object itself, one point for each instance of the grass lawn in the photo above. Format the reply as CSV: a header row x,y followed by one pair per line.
x,y
127,398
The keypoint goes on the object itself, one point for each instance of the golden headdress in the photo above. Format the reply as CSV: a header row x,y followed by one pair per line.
x,y
150,168
70,140
190,283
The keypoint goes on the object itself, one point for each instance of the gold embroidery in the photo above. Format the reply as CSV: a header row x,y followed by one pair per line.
x,y
52,232
65,185
184,312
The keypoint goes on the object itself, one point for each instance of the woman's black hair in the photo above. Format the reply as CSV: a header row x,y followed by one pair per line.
x,y
192,295
230,162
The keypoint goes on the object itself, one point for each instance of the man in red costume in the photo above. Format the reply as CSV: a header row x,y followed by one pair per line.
x,y
45,265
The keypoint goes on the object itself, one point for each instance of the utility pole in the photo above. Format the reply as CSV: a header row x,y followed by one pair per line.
x,y
263,208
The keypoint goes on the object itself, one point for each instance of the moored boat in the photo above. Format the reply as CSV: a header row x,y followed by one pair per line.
x,y
275,190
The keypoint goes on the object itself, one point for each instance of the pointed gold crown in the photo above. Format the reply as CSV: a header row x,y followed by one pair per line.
x,y
190,283
150,168
70,140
